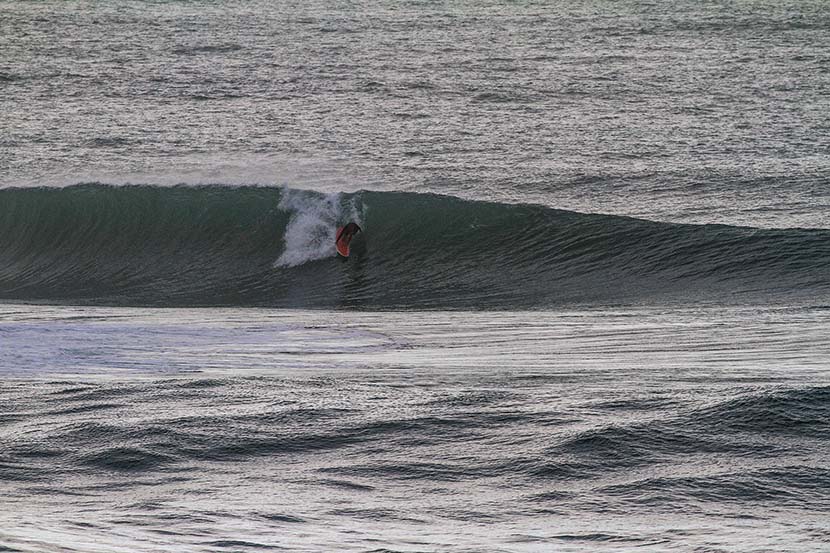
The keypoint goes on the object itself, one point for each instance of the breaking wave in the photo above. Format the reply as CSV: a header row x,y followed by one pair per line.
x,y
255,246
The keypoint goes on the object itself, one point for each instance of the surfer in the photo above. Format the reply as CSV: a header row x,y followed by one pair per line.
x,y
344,236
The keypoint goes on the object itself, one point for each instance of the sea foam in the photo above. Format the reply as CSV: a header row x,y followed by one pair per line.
x,y
311,230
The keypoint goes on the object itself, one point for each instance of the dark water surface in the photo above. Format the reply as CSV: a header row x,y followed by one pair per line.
x,y
231,246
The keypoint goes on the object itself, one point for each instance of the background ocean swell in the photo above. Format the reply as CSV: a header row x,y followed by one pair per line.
x,y
261,246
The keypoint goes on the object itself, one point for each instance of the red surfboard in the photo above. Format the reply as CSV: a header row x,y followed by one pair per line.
x,y
344,237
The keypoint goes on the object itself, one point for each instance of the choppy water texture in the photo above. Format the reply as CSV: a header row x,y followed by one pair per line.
x,y
683,111
588,310
700,430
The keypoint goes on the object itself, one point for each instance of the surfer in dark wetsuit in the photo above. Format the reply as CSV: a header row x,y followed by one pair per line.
x,y
344,236
347,233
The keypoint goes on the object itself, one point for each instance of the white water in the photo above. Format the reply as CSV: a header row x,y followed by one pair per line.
x,y
777,343
313,224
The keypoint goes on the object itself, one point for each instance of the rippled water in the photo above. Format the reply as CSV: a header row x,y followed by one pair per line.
x,y
242,430
682,111
550,335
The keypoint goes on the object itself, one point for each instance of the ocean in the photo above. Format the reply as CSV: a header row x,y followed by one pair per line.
x,y
589,309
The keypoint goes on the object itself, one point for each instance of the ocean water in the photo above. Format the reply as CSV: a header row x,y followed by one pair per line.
x,y
589,309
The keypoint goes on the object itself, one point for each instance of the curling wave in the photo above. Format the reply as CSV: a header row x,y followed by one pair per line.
x,y
255,246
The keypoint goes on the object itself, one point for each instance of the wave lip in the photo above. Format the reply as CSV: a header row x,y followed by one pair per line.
x,y
255,246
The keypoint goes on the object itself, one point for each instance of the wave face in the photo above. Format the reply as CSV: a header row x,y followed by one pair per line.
x,y
254,246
